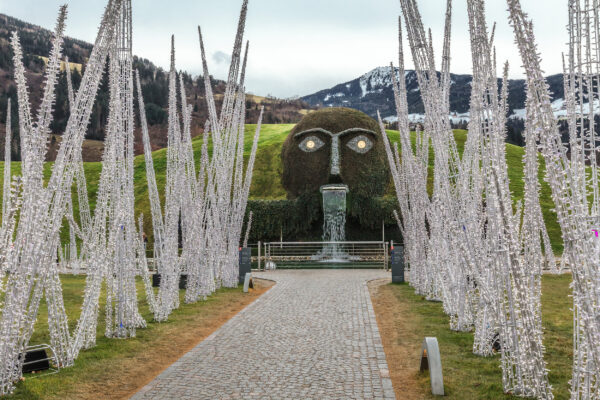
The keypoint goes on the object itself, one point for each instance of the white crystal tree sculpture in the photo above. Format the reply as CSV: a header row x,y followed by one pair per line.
x,y
480,259
227,184
410,173
43,207
444,260
112,247
577,212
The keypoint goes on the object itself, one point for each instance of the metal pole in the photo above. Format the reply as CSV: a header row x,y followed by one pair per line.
x,y
385,256
391,248
259,255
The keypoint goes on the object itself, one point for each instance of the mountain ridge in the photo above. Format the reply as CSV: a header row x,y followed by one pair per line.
x,y
372,92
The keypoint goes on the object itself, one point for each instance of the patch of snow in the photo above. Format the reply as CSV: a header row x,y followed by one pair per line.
x,y
329,96
378,79
558,104
560,109
420,118
414,118
462,117
518,113
363,87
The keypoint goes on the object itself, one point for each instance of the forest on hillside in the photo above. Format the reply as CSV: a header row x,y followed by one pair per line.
x,y
36,44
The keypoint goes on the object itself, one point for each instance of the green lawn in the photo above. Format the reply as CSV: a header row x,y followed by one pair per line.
x,y
467,376
266,183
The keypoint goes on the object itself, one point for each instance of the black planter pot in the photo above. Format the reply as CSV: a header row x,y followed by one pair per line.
x,y
182,281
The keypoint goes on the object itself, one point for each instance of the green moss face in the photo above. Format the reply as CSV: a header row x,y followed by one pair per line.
x,y
310,160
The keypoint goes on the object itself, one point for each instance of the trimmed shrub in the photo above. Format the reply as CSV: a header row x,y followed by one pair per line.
x,y
301,219
366,175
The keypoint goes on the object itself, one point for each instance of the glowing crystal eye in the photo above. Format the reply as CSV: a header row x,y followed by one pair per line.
x,y
310,144
360,144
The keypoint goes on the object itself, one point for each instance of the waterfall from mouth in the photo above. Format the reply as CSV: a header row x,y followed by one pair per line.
x,y
334,212
334,223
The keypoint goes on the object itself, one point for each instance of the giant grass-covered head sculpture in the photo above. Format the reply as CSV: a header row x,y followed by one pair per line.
x,y
335,145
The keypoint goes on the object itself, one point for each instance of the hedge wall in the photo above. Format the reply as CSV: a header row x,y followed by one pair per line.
x,y
301,219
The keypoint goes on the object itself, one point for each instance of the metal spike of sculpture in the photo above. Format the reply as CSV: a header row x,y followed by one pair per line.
x,y
170,269
122,315
112,247
9,191
80,180
248,227
409,174
448,280
484,129
7,230
7,165
515,274
227,187
155,207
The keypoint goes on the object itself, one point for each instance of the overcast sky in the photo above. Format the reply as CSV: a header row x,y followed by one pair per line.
x,y
300,46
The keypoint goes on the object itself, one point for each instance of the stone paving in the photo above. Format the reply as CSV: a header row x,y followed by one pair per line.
x,y
312,336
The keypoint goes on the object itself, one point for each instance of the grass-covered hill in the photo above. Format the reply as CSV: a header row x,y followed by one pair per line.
x,y
266,185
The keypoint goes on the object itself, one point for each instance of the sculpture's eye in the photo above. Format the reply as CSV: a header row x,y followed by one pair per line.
x,y
360,144
311,143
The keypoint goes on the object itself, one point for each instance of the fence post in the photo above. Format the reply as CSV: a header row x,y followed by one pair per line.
x,y
389,249
267,253
259,255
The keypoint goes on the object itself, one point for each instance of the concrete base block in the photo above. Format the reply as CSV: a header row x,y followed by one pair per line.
x,y
431,360
247,282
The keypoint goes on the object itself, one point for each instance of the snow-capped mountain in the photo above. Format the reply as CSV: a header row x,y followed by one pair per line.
x,y
373,91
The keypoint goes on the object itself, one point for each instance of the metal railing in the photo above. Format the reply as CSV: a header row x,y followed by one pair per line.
x,y
322,255
50,358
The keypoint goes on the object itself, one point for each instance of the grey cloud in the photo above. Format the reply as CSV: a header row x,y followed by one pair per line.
x,y
221,58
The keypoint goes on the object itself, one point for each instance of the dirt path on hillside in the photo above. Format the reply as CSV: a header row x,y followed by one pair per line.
x,y
400,343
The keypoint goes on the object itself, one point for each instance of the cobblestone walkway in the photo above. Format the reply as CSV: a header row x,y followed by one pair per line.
x,y
312,336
